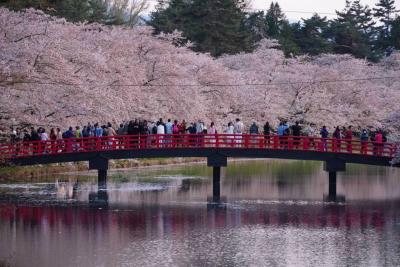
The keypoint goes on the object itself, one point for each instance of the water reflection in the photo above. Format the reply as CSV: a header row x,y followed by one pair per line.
x,y
186,233
274,216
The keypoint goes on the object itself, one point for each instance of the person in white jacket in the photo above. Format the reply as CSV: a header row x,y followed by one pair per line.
x,y
238,131
212,131
229,131
161,132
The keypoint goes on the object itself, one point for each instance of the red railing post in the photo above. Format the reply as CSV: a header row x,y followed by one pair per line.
x,y
246,140
290,142
306,142
276,142
261,142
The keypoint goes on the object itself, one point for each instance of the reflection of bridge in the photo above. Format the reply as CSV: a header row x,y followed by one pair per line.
x,y
335,153
182,218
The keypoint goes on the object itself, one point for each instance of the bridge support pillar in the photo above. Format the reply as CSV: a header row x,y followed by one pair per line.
x,y
216,184
332,185
217,161
332,167
101,165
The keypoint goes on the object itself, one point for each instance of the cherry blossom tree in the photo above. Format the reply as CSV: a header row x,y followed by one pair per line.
x,y
55,73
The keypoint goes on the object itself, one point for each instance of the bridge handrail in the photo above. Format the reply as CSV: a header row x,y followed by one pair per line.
x,y
193,141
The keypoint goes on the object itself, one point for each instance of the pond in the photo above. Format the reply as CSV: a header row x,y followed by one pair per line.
x,y
273,215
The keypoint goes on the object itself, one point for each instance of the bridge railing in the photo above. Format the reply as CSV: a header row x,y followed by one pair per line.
x,y
195,141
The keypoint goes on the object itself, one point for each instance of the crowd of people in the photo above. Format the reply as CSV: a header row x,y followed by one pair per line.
x,y
143,127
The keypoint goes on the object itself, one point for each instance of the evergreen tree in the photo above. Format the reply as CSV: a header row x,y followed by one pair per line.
x,y
98,11
275,20
214,26
73,10
255,22
352,31
395,33
171,15
363,18
384,12
312,36
289,33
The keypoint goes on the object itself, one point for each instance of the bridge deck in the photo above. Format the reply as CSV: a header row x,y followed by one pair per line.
x,y
198,145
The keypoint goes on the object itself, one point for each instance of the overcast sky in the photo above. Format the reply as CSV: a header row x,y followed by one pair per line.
x,y
319,6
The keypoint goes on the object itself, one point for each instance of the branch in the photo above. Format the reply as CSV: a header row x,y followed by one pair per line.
x,y
32,35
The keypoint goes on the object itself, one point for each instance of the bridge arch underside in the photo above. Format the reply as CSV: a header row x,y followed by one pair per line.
x,y
215,156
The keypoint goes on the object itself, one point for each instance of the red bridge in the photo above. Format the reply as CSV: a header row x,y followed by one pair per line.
x,y
335,153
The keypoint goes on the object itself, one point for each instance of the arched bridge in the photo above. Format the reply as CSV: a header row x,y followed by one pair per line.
x,y
217,148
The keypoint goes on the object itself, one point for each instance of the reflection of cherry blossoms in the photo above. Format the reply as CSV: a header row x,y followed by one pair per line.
x,y
89,72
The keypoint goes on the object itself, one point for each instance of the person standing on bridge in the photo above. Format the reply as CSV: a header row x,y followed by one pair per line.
x,y
311,133
85,132
34,135
43,140
59,138
90,129
379,142
67,136
182,127
364,142
175,131
98,131
324,135
212,131
267,134
238,131
230,133
192,134
110,130
282,132
253,131
336,142
121,130
182,130
296,131
348,135
130,129
110,136
53,135
168,131
160,133
53,139
254,128
199,126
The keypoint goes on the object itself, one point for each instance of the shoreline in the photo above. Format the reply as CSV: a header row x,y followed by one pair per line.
x,y
14,173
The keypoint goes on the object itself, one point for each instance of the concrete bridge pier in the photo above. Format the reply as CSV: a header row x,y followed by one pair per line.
x,y
332,167
101,165
216,162
216,182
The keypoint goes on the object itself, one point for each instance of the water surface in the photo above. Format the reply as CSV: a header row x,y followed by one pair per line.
x,y
274,216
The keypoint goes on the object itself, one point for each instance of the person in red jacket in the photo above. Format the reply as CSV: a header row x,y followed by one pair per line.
x,y
379,142
182,131
348,135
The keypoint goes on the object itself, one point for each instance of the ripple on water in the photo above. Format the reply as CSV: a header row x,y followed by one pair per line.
x,y
258,246
286,202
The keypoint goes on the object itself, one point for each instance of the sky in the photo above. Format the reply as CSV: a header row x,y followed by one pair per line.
x,y
311,6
